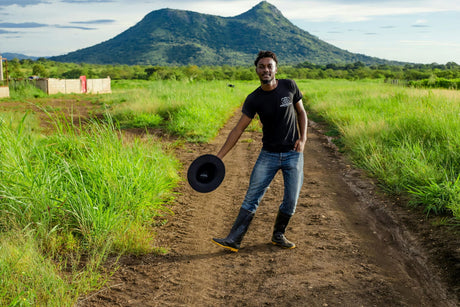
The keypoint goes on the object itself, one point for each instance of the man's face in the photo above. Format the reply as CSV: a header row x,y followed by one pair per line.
x,y
266,70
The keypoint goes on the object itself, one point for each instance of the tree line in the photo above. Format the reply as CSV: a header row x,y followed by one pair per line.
x,y
434,75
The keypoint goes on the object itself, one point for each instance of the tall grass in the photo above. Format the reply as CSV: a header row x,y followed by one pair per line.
x,y
28,278
24,88
75,193
78,195
192,110
69,199
408,138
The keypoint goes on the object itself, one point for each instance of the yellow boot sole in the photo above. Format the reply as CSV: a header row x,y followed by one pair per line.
x,y
226,247
285,247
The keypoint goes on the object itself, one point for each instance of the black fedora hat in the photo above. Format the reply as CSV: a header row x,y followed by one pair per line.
x,y
206,173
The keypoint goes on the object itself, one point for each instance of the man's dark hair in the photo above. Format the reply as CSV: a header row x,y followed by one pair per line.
x,y
266,54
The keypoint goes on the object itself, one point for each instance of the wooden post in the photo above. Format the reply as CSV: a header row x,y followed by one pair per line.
x,y
1,68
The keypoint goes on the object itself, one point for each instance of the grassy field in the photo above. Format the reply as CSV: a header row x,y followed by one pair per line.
x,y
192,110
74,196
407,138
80,194
71,198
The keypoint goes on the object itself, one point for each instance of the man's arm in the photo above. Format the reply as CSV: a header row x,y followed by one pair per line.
x,y
234,135
303,122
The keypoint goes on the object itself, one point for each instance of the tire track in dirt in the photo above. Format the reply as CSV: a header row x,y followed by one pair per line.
x,y
351,250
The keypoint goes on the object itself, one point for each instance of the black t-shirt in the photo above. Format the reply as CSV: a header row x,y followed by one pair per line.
x,y
277,113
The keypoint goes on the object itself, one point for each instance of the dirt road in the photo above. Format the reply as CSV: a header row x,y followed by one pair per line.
x,y
355,247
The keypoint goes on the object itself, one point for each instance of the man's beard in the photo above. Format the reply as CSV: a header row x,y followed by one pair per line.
x,y
267,81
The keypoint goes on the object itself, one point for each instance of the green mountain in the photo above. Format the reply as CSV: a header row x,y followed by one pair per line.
x,y
177,37
18,56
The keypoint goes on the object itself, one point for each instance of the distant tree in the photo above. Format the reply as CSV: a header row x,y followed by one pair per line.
x,y
14,69
39,70
192,72
452,65
246,74
306,65
26,62
332,66
358,65
73,73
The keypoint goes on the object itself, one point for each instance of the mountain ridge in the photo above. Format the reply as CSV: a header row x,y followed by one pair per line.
x,y
19,56
172,37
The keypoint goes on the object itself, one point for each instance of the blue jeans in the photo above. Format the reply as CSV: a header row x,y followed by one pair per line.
x,y
267,165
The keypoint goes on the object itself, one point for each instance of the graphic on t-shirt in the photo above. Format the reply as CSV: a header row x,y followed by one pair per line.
x,y
285,102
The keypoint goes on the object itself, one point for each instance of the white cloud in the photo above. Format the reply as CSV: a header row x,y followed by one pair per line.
x,y
421,21
355,11
20,2
433,44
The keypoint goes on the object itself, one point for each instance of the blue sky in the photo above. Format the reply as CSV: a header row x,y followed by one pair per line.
x,y
418,31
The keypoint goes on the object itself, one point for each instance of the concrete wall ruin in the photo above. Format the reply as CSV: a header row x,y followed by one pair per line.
x,y
67,86
99,86
4,91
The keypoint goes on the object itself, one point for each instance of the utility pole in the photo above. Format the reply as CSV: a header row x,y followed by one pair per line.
x,y
1,68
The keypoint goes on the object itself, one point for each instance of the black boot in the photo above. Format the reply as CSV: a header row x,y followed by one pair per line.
x,y
239,229
278,238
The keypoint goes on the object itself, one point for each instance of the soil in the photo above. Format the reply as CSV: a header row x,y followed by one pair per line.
x,y
356,246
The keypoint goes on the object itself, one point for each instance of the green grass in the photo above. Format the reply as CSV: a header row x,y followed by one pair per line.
x,y
191,110
27,278
407,138
22,89
78,195
71,198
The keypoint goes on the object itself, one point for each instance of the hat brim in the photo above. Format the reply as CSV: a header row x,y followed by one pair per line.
x,y
206,173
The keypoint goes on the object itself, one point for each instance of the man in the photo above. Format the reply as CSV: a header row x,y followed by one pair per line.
x,y
284,124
